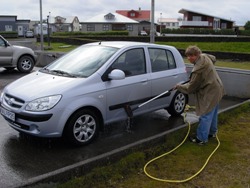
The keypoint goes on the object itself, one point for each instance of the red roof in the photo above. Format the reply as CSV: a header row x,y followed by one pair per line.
x,y
137,15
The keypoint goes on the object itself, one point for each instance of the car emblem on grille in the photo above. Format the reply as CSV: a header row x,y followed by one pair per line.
x,y
10,101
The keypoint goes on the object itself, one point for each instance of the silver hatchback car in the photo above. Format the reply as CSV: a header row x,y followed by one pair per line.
x,y
89,87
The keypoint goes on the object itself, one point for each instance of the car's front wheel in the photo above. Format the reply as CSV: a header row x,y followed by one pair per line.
x,y
25,64
82,128
178,104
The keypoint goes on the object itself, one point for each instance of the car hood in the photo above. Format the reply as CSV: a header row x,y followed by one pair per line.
x,y
23,48
40,85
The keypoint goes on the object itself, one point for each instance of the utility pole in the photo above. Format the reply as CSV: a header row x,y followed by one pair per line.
x,y
48,29
152,28
41,26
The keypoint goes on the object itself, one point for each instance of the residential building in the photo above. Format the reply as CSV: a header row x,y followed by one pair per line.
x,y
65,24
138,15
110,22
192,19
168,23
11,23
22,27
57,24
142,16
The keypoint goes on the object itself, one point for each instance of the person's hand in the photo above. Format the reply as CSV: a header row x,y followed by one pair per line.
x,y
175,87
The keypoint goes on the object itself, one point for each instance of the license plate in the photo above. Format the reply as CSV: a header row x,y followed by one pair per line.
x,y
8,114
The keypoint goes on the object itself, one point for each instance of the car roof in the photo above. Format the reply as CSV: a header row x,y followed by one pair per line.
x,y
122,44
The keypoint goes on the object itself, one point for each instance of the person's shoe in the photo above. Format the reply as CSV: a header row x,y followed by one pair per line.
x,y
196,140
212,136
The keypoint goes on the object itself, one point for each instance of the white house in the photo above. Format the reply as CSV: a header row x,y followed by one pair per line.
x,y
110,22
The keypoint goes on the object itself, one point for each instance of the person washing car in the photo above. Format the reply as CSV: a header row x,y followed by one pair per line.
x,y
208,90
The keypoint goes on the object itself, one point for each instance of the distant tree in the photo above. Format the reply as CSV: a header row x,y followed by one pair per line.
x,y
247,25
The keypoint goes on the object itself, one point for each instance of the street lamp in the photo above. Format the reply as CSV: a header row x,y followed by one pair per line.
x,y
41,27
48,32
152,29
160,23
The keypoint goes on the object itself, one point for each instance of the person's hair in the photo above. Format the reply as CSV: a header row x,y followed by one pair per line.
x,y
192,50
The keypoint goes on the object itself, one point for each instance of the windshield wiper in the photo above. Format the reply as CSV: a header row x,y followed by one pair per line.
x,y
64,73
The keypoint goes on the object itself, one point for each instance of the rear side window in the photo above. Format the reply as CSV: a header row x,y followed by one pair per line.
x,y
132,62
161,59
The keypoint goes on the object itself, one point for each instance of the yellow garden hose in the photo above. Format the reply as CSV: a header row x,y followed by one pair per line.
x,y
191,177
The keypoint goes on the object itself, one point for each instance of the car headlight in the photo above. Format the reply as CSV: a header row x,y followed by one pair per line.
x,y
42,104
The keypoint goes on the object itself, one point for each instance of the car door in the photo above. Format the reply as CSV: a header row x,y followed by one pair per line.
x,y
133,90
164,75
5,53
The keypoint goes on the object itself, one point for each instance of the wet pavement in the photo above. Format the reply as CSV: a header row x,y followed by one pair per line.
x,y
23,158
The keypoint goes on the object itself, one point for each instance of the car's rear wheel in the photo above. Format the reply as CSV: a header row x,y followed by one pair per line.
x,y
82,128
178,104
25,64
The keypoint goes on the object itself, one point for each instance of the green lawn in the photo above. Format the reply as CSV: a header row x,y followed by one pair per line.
x,y
242,47
228,167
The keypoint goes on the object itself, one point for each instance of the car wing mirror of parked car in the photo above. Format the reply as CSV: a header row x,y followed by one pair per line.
x,y
6,43
116,74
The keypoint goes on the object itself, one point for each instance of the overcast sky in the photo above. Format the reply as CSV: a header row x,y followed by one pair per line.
x,y
235,10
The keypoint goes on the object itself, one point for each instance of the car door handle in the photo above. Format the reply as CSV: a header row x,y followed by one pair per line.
x,y
144,80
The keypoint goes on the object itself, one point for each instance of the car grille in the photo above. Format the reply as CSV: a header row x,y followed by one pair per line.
x,y
13,101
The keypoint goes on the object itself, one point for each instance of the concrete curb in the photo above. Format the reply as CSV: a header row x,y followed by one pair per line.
x,y
80,168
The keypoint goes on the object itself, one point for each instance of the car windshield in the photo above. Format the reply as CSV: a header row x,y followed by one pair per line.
x,y
81,62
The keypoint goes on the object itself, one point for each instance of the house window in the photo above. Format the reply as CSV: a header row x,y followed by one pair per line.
x,y
196,18
130,27
223,25
8,27
90,27
109,16
119,27
132,14
105,27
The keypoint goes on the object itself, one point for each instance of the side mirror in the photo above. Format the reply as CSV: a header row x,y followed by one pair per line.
x,y
116,74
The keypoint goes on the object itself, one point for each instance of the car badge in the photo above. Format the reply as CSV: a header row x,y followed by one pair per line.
x,y
10,101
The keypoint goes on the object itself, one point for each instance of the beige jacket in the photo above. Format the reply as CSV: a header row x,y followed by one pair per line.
x,y
205,84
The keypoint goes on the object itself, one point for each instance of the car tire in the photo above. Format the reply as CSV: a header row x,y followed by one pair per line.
x,y
25,64
178,104
82,128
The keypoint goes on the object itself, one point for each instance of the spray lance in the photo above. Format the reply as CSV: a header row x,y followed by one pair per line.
x,y
130,110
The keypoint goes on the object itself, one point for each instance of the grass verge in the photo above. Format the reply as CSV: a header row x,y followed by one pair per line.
x,y
240,47
229,166
232,47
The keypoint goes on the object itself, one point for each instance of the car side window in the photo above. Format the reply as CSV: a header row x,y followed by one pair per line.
x,y
161,59
132,62
2,42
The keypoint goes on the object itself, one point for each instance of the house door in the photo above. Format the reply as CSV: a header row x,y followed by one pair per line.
x,y
216,24
20,30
